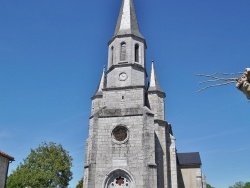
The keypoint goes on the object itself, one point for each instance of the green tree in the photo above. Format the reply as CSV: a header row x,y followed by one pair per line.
x,y
209,186
80,184
239,184
48,166
247,185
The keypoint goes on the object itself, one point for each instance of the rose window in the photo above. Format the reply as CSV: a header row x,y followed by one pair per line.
x,y
120,134
120,182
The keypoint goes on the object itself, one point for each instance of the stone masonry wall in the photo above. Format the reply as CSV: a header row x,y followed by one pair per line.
x,y
162,154
114,55
127,98
136,155
157,106
135,76
3,170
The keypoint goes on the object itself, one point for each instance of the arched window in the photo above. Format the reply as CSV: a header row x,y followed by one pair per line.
x,y
123,51
137,53
112,55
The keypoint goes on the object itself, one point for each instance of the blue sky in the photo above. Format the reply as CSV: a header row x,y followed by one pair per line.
x,y
51,57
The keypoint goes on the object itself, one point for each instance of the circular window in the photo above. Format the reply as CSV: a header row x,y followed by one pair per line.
x,y
120,134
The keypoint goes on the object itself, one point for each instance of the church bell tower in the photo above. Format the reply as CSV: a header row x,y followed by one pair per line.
x,y
129,142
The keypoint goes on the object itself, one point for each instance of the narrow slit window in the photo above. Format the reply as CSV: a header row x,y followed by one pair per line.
x,y
112,55
123,51
137,53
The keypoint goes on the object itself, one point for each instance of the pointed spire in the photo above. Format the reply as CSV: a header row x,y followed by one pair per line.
x,y
127,21
153,82
102,83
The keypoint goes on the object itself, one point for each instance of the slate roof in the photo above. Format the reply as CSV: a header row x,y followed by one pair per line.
x,y
189,159
6,156
127,22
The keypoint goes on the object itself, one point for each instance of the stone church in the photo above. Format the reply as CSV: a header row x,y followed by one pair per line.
x,y
130,144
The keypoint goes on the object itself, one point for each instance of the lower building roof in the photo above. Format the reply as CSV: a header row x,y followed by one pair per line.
x,y
189,159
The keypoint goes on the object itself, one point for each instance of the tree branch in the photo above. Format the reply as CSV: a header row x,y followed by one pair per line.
x,y
242,82
219,79
215,85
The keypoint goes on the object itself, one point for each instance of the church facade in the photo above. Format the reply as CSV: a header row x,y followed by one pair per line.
x,y
130,144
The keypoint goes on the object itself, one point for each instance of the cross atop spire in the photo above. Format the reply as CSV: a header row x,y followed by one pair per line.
x,y
127,22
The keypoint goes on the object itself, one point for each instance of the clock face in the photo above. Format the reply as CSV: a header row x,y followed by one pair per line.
x,y
123,76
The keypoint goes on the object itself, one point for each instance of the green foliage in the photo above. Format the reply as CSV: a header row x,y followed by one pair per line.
x,y
47,166
209,186
80,184
241,184
247,185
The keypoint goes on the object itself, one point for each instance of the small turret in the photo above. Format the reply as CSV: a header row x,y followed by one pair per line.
x,y
156,95
153,82
102,84
97,98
